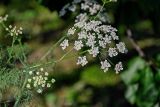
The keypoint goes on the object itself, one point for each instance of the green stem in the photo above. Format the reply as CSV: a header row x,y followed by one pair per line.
x,y
24,84
64,56
51,62
19,97
22,50
52,47
5,105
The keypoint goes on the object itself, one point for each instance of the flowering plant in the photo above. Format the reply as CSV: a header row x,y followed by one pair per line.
x,y
92,36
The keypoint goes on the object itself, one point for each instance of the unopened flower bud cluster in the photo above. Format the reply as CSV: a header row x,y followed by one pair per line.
x,y
13,30
3,19
38,80
94,35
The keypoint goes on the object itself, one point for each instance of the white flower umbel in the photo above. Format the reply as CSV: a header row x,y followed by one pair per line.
x,y
107,39
39,91
82,34
94,51
105,65
121,47
93,35
64,44
118,67
38,80
71,31
90,40
102,43
78,45
112,52
82,60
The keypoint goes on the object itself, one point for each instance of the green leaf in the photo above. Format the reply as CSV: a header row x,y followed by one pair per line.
x,y
131,93
132,74
96,77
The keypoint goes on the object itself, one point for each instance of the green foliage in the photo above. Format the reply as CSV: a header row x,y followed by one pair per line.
x,y
141,84
10,78
96,77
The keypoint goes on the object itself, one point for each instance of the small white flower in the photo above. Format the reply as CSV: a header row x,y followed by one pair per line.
x,y
84,6
94,9
52,80
72,8
81,18
90,41
24,70
29,80
114,36
107,39
105,65
118,67
43,85
37,73
71,31
112,52
102,44
46,74
45,78
94,51
121,47
82,35
78,45
64,44
30,72
62,12
39,91
48,85
82,60
28,86
41,69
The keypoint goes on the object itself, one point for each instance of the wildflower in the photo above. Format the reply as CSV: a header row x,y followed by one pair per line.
x,y
14,31
29,80
105,65
71,31
78,45
82,17
114,36
82,35
64,44
93,34
39,80
28,86
107,39
118,67
30,72
41,69
90,40
121,47
94,51
82,60
102,43
46,74
48,85
39,91
112,52
63,11
72,8
53,80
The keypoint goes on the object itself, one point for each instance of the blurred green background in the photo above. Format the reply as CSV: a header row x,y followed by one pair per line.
x,y
136,86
